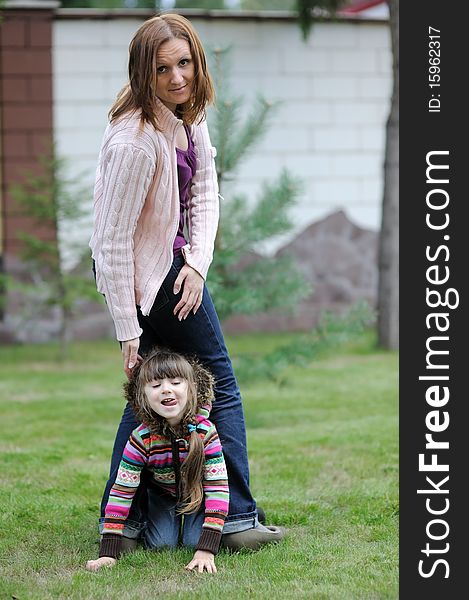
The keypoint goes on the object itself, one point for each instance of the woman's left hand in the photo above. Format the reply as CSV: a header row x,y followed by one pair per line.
x,y
203,560
192,284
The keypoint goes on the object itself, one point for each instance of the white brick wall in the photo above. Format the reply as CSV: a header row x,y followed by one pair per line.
x,y
329,129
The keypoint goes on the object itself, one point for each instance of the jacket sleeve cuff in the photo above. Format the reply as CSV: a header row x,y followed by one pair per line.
x,y
110,545
128,329
195,260
209,540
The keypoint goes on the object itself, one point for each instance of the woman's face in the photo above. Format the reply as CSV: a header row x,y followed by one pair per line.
x,y
175,73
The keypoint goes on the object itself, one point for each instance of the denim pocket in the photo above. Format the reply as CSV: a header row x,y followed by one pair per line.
x,y
160,301
177,264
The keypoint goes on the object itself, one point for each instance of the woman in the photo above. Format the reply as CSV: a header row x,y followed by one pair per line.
x,y
155,222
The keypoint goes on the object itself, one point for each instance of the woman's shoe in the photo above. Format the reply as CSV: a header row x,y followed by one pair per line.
x,y
253,538
261,515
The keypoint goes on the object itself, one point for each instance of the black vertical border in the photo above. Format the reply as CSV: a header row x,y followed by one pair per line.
x,y
421,132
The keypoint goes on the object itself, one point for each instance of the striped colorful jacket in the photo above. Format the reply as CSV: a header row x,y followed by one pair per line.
x,y
154,452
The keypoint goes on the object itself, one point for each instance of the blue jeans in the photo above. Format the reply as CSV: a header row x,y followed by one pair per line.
x,y
167,529
164,527
199,335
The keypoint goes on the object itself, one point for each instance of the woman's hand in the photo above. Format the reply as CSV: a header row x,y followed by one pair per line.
x,y
130,355
202,560
104,561
192,284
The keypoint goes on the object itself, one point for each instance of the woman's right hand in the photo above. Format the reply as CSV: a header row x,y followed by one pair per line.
x,y
130,355
104,561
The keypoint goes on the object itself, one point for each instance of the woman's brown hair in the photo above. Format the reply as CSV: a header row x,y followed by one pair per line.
x,y
161,363
139,94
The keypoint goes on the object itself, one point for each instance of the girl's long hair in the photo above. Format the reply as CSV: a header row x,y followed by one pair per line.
x,y
161,363
140,93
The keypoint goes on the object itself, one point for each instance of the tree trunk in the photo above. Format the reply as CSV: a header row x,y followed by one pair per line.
x,y
388,286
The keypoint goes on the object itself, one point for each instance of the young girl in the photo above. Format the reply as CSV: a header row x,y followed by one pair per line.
x,y
180,451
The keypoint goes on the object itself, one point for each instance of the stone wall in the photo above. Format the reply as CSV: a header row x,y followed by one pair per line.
x,y
25,112
26,134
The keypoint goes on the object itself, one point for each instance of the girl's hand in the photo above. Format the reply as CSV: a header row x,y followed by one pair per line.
x,y
104,561
130,355
192,284
203,560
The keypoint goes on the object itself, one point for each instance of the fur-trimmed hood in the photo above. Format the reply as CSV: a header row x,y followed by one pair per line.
x,y
204,382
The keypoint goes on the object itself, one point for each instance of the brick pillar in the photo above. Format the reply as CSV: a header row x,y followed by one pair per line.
x,y
25,112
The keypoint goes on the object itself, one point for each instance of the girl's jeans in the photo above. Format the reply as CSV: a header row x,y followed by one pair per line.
x,y
198,335
167,529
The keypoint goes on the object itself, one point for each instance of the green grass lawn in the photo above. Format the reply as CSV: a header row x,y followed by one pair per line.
x,y
324,457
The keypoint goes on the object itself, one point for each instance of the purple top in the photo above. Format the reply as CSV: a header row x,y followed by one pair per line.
x,y
186,164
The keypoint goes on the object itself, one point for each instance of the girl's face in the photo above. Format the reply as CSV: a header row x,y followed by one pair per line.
x,y
175,73
168,398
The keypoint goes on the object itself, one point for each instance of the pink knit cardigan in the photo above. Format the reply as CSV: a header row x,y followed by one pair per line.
x,y
136,213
